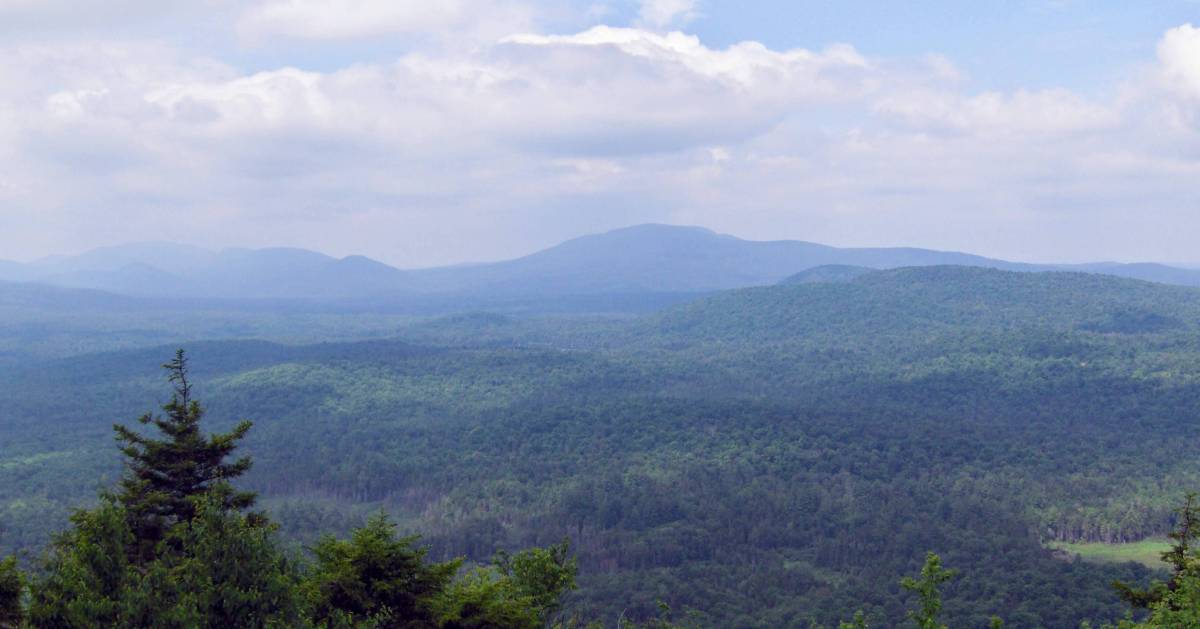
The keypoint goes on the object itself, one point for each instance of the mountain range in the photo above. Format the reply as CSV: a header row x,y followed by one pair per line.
x,y
638,260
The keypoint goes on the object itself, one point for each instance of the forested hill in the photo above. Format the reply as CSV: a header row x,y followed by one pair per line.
x,y
764,457
941,298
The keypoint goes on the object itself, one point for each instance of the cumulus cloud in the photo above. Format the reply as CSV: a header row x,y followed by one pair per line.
x,y
495,146
1179,54
745,64
540,93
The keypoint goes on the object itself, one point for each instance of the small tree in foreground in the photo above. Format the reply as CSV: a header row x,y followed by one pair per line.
x,y
1182,557
217,571
541,575
376,577
927,587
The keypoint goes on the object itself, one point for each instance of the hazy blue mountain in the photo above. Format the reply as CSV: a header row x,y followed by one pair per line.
x,y
640,260
11,271
1150,272
168,257
48,297
286,273
135,278
827,274
671,258
168,270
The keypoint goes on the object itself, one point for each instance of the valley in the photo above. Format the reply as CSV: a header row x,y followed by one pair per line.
x,y
808,441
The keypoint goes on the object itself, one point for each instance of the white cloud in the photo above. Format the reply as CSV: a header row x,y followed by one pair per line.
x,y
745,64
1179,54
533,137
1025,112
664,13
943,68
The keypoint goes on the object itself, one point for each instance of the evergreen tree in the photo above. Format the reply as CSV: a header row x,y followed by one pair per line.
x,y
12,588
521,591
87,576
543,575
484,598
376,577
229,572
927,587
171,548
163,475
1179,607
220,570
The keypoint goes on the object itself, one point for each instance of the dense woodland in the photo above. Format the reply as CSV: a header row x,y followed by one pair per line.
x,y
775,456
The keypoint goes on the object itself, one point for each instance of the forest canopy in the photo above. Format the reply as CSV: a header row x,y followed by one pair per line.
x,y
765,457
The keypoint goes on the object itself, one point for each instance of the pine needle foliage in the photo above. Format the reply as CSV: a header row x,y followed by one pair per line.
x,y
12,588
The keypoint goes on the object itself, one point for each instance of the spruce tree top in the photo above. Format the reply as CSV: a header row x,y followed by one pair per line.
x,y
164,476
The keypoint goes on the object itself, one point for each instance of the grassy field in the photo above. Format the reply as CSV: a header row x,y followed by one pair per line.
x,y
1145,552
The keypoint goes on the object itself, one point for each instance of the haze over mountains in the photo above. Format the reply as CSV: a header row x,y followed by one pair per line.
x,y
639,260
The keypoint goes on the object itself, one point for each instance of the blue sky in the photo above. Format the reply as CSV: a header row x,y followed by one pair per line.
x,y
1083,45
430,133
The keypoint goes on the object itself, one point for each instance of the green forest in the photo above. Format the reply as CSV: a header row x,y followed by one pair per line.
x,y
769,457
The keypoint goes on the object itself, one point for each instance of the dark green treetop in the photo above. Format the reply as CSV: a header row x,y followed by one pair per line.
x,y
12,587
543,575
377,578
219,570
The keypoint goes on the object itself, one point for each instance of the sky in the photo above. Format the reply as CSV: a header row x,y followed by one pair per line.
x,y
429,133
